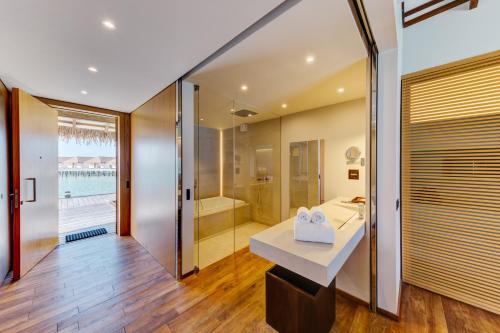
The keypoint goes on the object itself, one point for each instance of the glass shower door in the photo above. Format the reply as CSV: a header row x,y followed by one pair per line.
x,y
306,169
214,193
257,173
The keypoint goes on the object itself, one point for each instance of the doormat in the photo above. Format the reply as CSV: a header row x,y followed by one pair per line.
x,y
85,234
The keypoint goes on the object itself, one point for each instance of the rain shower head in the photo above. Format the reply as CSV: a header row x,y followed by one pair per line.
x,y
245,113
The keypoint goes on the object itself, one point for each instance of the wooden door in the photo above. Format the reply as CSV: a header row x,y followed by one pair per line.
x,y
154,192
35,182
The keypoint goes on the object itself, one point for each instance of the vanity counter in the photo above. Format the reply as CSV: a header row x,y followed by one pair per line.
x,y
315,261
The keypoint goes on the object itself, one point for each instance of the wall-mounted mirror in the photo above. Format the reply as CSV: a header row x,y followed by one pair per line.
x,y
264,163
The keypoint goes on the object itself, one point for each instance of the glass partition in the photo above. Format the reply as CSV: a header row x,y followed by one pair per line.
x,y
214,194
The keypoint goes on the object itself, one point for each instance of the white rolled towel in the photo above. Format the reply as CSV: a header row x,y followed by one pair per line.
x,y
314,232
303,215
317,215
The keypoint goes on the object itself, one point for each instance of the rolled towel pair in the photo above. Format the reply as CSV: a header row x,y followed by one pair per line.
x,y
313,226
315,215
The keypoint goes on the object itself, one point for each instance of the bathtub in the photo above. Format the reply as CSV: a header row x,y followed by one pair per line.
x,y
213,215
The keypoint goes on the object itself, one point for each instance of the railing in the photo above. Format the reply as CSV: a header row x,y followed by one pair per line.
x,y
87,172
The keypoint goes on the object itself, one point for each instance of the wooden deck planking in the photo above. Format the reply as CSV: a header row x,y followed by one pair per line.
x,y
112,284
81,213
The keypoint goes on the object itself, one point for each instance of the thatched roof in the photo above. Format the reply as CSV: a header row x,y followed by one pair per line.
x,y
87,131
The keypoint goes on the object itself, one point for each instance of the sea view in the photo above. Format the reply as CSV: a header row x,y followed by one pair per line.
x,y
86,185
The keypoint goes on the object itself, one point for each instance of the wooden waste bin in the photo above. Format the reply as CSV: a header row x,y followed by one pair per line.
x,y
295,304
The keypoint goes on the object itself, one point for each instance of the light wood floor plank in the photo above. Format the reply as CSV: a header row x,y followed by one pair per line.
x,y
112,284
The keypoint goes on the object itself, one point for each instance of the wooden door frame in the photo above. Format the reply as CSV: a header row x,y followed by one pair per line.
x,y
123,156
15,183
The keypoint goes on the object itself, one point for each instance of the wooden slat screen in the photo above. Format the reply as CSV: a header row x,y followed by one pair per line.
x,y
451,180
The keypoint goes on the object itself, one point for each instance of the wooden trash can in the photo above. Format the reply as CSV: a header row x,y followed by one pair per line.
x,y
295,304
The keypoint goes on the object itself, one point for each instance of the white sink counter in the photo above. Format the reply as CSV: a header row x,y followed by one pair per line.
x,y
316,261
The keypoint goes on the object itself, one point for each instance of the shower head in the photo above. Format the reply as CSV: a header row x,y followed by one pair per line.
x,y
245,113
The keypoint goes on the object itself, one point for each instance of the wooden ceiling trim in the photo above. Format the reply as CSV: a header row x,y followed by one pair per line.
x,y
405,13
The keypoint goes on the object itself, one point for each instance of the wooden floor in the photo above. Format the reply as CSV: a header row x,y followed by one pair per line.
x,y
76,214
111,284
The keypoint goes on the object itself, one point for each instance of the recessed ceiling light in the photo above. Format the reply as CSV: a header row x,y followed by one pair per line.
x,y
244,87
310,59
284,106
231,110
92,69
84,92
340,90
201,119
108,24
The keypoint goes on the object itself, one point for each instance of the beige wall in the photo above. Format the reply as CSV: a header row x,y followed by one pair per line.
x,y
340,126
4,190
153,192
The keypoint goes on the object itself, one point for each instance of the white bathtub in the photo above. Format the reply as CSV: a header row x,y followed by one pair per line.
x,y
215,205
217,214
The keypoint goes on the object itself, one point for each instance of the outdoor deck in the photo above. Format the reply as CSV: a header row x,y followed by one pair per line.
x,y
79,214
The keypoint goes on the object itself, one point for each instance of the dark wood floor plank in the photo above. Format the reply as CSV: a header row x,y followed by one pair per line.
x,y
112,284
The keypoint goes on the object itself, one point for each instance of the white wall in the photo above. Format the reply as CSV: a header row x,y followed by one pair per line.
x,y
341,126
388,176
454,35
388,165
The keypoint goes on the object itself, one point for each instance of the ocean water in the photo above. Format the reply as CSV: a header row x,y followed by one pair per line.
x,y
85,186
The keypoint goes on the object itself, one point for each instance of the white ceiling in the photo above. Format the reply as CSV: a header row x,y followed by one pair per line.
x,y
48,45
271,62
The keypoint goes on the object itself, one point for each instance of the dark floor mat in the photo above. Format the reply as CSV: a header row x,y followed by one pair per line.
x,y
85,234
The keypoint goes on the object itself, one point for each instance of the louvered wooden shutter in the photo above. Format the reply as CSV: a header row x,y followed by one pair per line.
x,y
451,180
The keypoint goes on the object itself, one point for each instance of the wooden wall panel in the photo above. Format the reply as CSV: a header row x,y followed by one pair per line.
x,y
124,174
153,193
4,185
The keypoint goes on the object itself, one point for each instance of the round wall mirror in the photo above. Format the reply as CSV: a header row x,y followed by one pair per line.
x,y
353,153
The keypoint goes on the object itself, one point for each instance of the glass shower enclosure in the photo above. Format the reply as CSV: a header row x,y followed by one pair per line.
x,y
237,175
306,181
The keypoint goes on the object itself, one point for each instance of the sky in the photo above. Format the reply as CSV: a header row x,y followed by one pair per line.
x,y
74,149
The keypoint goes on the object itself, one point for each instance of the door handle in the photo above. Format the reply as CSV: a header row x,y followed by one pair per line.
x,y
14,200
34,189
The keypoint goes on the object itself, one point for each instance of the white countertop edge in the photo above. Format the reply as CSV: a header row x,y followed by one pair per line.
x,y
307,269
344,254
